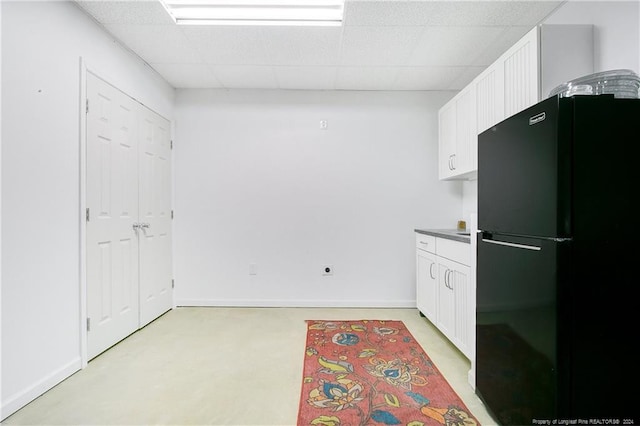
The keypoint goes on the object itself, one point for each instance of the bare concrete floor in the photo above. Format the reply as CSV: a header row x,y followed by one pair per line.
x,y
218,366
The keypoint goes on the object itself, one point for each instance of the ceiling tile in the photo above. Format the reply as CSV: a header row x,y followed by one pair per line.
x,y
366,78
425,12
246,77
507,38
462,47
465,77
127,12
313,78
394,13
156,43
228,45
303,45
532,13
188,76
383,46
427,78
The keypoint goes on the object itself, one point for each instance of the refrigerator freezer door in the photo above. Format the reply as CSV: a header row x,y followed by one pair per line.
x,y
523,173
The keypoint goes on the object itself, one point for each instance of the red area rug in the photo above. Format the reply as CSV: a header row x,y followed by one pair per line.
x,y
373,373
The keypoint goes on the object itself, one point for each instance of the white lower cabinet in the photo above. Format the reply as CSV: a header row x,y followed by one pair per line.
x,y
442,288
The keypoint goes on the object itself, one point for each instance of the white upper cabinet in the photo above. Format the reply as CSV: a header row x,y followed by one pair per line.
x,y
447,139
458,131
521,74
525,74
489,98
466,133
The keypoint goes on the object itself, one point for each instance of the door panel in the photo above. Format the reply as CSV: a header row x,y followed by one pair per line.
x,y
427,270
446,299
155,202
112,247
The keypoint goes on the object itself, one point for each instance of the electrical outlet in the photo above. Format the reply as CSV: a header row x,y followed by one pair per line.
x,y
327,270
324,124
253,269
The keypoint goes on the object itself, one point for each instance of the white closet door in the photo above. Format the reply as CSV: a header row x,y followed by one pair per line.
x,y
129,272
112,200
155,216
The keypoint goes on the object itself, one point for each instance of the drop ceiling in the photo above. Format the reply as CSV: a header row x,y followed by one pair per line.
x,y
382,45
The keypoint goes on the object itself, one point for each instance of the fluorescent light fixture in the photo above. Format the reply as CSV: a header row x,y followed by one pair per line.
x,y
256,12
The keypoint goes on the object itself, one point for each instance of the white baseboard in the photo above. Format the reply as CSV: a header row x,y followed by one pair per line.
x,y
18,400
297,303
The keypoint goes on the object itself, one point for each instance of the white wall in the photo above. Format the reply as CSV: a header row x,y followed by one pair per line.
x,y
616,46
617,30
41,47
257,181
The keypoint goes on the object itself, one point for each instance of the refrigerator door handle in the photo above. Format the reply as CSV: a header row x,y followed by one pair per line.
x,y
521,246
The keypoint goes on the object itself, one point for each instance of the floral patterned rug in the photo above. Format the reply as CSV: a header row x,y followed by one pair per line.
x,y
373,373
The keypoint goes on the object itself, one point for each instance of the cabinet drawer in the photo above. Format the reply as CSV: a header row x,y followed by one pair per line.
x,y
426,242
454,250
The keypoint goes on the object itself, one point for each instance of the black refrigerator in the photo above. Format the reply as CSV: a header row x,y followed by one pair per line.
x,y
557,319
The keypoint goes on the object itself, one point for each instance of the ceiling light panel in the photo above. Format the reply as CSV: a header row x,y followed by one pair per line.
x,y
256,12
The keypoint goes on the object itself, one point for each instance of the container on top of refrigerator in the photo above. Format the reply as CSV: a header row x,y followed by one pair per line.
x,y
622,83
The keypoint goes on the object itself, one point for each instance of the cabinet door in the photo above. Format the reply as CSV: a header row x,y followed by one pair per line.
x,y
459,278
489,98
447,139
427,279
446,299
453,303
521,74
465,157
458,136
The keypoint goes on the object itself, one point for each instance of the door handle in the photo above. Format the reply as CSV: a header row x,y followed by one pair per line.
x,y
521,246
431,271
137,226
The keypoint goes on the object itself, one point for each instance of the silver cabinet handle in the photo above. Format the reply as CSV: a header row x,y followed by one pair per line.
x,y
136,226
144,225
447,279
431,271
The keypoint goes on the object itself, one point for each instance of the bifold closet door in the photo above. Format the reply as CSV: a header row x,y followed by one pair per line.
x,y
129,275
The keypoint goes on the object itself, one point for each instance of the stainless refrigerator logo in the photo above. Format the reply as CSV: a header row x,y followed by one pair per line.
x,y
537,118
